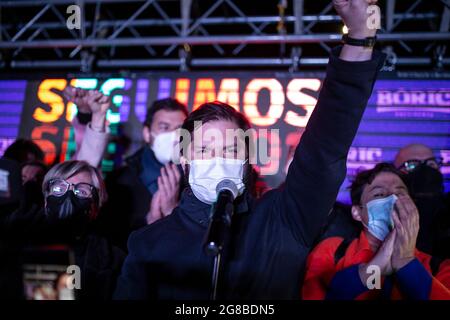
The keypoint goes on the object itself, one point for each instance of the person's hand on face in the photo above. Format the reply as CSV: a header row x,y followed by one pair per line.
x,y
406,224
382,259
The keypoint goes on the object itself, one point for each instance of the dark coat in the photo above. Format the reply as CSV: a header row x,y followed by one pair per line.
x,y
100,262
128,202
270,237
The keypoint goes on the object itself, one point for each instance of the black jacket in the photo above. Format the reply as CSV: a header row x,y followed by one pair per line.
x,y
128,202
129,198
340,223
271,237
27,227
100,264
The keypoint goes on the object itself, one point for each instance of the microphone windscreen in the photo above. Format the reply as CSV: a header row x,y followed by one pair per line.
x,y
229,185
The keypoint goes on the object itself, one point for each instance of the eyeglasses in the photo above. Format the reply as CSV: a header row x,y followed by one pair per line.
x,y
58,187
411,165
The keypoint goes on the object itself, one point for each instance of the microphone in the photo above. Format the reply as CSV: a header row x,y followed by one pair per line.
x,y
220,220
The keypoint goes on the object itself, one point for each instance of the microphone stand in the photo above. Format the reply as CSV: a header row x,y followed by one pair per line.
x,y
215,242
215,276
219,227
214,249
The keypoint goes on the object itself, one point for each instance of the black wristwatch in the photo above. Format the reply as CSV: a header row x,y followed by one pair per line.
x,y
368,42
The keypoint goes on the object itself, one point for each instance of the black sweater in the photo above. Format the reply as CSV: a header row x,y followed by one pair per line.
x,y
271,237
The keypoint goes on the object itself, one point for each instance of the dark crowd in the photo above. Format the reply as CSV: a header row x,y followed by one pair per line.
x,y
138,232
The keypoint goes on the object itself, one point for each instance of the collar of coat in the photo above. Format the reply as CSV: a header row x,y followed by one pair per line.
x,y
200,212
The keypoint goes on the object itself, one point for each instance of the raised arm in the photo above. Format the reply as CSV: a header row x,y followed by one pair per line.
x,y
92,138
319,165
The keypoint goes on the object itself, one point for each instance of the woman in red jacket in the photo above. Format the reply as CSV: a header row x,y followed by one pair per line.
x,y
383,262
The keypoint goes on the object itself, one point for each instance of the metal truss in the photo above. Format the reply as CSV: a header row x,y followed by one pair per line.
x,y
190,34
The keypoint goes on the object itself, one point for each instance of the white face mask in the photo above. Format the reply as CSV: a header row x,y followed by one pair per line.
x,y
205,174
164,146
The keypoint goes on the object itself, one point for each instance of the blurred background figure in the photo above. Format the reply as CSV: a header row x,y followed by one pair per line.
x,y
23,150
33,172
426,186
30,157
147,188
32,177
73,192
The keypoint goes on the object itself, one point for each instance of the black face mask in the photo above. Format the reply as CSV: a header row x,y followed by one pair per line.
x,y
69,210
425,181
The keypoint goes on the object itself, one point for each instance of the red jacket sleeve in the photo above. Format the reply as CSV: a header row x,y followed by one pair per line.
x,y
440,285
416,281
320,269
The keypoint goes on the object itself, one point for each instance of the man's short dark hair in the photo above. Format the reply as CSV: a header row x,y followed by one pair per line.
x,y
215,111
23,150
366,177
167,104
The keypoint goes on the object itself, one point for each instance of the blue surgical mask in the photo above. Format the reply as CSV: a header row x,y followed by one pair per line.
x,y
380,216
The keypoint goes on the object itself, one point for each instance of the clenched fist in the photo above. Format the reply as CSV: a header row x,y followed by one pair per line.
x,y
358,17
88,101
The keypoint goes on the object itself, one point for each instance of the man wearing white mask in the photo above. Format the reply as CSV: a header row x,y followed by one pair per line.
x,y
382,262
270,238
147,188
